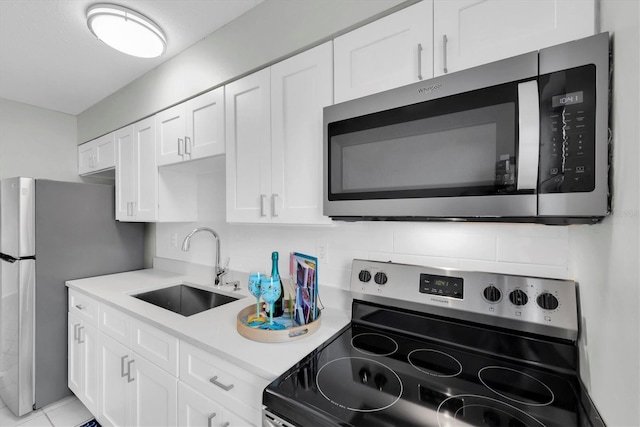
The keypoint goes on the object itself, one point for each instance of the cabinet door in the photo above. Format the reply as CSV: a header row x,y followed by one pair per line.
x,y
115,392
146,171
125,173
301,87
155,400
86,156
88,337
205,125
393,51
248,148
195,410
481,31
105,152
74,357
170,132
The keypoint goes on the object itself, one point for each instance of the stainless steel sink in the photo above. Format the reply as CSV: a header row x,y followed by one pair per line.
x,y
184,299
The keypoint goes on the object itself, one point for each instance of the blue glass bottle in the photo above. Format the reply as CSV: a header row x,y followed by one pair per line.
x,y
278,306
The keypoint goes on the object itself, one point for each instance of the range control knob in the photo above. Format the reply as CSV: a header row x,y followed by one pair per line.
x,y
380,278
518,297
547,301
364,276
492,294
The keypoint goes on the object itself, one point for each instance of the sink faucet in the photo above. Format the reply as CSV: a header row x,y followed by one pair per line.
x,y
218,271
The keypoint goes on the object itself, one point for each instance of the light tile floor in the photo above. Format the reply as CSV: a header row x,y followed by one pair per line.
x,y
68,412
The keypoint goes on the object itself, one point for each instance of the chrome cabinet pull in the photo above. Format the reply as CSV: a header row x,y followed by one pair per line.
x,y
187,145
263,197
210,419
273,205
129,209
122,372
180,147
419,61
225,424
225,387
75,331
444,53
129,379
80,307
80,340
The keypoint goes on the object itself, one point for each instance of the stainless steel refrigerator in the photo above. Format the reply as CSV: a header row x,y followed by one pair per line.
x,y
50,232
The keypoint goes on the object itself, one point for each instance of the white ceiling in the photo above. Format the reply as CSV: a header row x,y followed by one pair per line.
x,y
50,59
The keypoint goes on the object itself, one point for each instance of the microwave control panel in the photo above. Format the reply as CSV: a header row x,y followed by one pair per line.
x,y
567,130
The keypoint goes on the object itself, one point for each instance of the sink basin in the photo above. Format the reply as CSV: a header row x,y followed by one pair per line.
x,y
184,299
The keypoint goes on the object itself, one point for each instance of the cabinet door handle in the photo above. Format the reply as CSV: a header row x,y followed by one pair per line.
x,y
122,372
419,61
80,340
444,53
129,379
180,147
80,306
263,197
225,387
75,331
187,145
128,208
225,424
210,419
273,205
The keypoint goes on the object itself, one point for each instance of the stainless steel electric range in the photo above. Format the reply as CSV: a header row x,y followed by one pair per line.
x,y
440,347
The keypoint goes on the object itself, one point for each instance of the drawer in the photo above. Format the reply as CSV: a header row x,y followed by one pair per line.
x,y
116,324
155,345
220,380
83,306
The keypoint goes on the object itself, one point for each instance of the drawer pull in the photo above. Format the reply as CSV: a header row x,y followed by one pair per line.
x,y
210,419
225,424
122,372
214,380
80,306
129,379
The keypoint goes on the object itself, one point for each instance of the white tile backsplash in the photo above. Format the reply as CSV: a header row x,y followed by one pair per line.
x,y
526,249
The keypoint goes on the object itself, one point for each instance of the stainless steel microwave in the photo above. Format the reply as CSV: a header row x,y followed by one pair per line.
x,y
521,139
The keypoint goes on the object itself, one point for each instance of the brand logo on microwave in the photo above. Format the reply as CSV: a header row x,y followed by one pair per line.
x,y
440,300
430,89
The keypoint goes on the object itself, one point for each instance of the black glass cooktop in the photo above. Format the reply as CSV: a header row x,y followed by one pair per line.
x,y
371,377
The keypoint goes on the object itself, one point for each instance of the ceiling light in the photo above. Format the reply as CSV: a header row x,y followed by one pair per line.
x,y
126,30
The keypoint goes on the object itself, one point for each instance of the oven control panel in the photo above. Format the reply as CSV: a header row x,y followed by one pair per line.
x,y
532,304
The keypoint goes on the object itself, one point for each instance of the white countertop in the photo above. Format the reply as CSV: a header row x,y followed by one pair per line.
x,y
213,330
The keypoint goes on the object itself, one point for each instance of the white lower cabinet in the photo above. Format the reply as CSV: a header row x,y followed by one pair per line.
x,y
235,389
129,373
194,409
83,361
135,392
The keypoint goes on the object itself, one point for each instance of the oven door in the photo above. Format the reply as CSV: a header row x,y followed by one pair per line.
x,y
468,154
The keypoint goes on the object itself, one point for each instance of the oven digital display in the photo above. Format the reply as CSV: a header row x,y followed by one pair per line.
x,y
445,286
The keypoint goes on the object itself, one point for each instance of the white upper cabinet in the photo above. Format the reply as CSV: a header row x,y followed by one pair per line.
x,y
136,172
191,130
393,51
96,155
301,87
472,32
274,140
248,141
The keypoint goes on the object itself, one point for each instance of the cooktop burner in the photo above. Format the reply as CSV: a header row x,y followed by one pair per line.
x,y
375,386
402,362
374,344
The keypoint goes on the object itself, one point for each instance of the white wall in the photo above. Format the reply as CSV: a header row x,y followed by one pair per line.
x,y
605,257
38,143
265,34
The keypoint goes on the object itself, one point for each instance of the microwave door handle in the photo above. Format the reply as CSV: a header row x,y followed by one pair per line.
x,y
529,130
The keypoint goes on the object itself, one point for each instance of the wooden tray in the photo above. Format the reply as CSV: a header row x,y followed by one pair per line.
x,y
267,335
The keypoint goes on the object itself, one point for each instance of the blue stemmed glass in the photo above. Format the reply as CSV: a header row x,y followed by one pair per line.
x,y
255,287
270,287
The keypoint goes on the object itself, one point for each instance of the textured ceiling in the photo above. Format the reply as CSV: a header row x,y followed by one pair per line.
x,y
50,59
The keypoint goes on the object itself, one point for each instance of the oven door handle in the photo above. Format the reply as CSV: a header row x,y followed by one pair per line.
x,y
529,130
